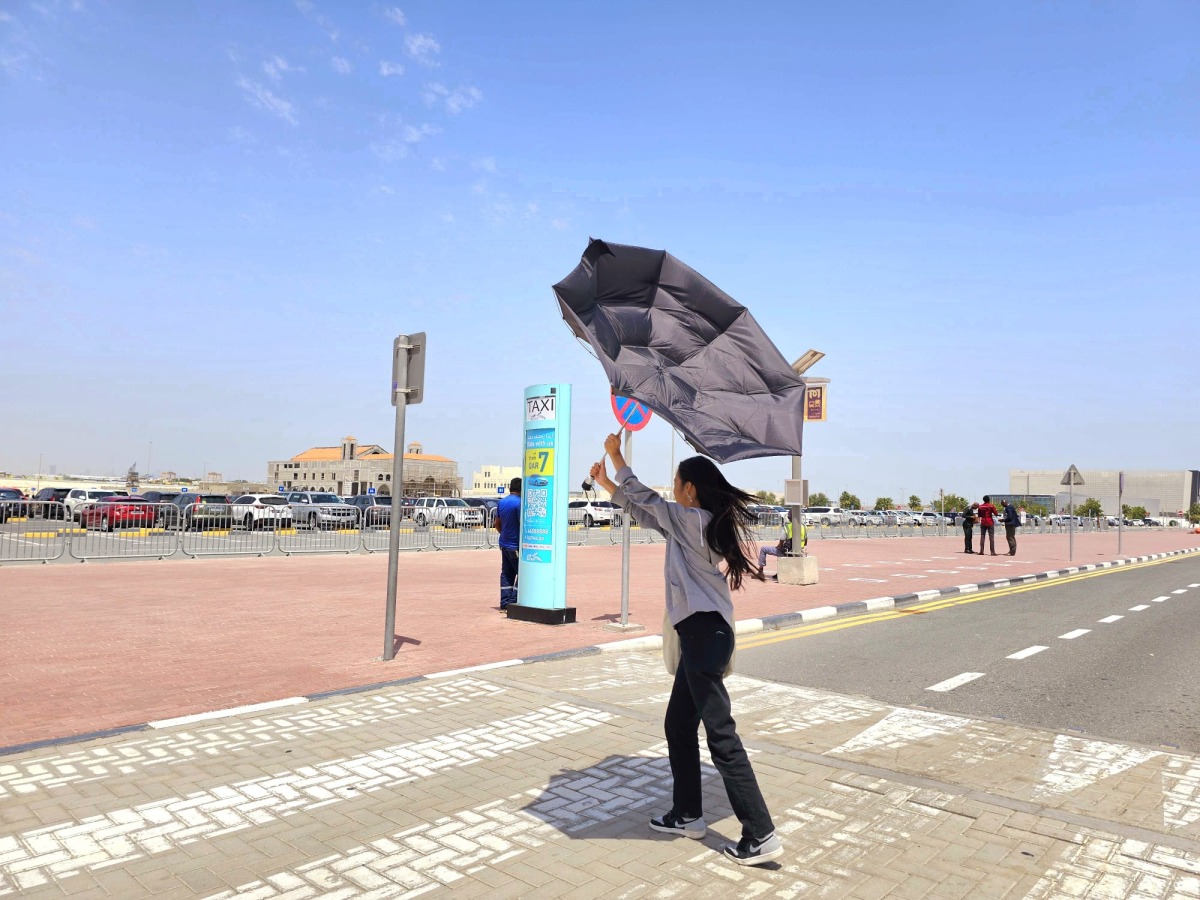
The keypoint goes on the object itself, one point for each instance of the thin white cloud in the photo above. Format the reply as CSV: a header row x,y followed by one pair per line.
x,y
437,164
455,100
423,48
309,9
390,151
487,164
276,67
340,65
85,222
387,69
414,134
395,14
385,189
560,224
261,96
5,17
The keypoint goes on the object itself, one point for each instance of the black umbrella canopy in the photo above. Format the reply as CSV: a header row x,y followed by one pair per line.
x,y
669,337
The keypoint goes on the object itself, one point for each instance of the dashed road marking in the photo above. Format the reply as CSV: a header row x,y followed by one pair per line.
x,y
1180,591
1071,635
1139,608
1108,620
1026,653
1159,599
957,681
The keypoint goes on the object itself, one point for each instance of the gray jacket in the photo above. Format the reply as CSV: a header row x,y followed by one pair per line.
x,y
694,583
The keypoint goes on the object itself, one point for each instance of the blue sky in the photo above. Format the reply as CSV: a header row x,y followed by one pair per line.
x,y
215,217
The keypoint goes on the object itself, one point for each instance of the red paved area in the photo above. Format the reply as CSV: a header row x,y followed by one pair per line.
x,y
97,645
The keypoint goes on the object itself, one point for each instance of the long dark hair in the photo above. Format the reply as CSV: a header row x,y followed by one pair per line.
x,y
728,530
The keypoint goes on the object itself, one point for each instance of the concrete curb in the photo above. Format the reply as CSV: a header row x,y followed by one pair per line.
x,y
648,642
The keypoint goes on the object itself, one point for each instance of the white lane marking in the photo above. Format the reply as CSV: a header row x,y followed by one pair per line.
x,y
1139,608
1026,653
1075,763
1180,591
1108,620
225,713
957,681
1194,585
902,727
1159,599
1071,635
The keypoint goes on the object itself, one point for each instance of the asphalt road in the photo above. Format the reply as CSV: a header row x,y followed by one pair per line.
x,y
1135,678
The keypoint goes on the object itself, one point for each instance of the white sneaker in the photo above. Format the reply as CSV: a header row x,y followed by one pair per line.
x,y
673,824
749,852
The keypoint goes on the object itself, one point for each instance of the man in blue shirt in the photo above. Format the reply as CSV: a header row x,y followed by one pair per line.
x,y
508,523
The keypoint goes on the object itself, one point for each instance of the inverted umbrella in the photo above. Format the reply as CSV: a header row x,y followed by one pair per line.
x,y
670,338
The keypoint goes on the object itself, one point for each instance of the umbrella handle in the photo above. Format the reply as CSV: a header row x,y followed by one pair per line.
x,y
589,482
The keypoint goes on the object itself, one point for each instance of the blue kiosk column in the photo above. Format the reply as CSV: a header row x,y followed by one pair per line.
x,y
542,578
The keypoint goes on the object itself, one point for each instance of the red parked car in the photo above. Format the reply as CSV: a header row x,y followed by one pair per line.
x,y
108,513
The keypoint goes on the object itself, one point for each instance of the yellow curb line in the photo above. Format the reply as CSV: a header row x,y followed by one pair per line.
x,y
852,621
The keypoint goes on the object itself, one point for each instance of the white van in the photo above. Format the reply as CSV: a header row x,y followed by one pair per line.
x,y
589,513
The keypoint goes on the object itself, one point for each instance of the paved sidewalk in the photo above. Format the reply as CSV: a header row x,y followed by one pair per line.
x,y
536,780
104,645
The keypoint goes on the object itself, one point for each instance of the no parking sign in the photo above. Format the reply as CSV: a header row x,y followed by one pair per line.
x,y
632,415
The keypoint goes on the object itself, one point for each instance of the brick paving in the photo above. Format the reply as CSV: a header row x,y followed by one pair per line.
x,y
537,781
101,645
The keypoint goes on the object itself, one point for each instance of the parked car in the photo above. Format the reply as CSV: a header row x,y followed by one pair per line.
x,y
592,512
254,511
318,509
448,511
117,511
931,518
863,517
824,515
196,511
487,504
12,504
44,499
373,509
159,496
900,517
77,498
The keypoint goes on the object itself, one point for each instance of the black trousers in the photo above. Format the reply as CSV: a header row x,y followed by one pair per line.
x,y
1010,532
509,563
699,695
967,531
986,533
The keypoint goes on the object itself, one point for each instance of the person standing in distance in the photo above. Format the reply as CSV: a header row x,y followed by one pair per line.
x,y
987,524
968,523
707,525
508,523
1011,521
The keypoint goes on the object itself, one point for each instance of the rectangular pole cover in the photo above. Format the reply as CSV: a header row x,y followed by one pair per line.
x,y
546,470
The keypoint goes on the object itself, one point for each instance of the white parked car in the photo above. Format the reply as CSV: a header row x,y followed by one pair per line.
x,y
931,518
261,511
77,498
593,512
902,517
824,515
448,511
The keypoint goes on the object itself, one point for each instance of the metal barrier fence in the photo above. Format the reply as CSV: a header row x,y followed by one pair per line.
x,y
126,528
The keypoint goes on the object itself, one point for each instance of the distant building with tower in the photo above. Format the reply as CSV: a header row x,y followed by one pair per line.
x,y
353,468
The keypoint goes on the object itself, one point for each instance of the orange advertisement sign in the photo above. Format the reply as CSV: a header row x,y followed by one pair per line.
x,y
814,403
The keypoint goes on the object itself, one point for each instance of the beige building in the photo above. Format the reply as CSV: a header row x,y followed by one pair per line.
x,y
1161,492
485,481
352,468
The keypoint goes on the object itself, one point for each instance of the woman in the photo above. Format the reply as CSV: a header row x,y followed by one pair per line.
x,y
706,525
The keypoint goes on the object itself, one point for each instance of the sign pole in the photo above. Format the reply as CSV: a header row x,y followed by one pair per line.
x,y
408,386
1071,513
1120,509
625,542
